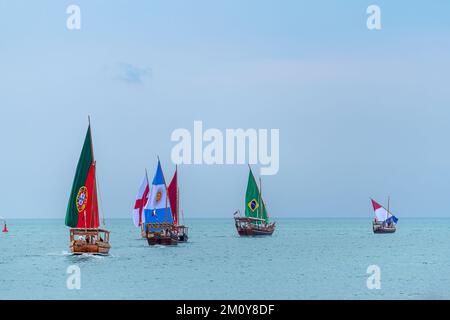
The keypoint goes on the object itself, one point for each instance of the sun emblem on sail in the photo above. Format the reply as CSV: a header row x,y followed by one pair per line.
x,y
253,205
158,196
82,198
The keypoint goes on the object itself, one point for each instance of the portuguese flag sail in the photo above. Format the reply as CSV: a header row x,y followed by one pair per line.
x,y
82,210
254,205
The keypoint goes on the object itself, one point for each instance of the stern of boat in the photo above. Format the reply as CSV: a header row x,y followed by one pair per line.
x,y
89,241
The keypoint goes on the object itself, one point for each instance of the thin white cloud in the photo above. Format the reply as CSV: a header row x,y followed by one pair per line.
x,y
133,74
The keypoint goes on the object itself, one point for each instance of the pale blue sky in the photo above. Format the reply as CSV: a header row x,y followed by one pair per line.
x,y
361,113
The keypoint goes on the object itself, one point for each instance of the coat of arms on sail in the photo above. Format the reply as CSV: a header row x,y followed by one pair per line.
x,y
253,205
81,199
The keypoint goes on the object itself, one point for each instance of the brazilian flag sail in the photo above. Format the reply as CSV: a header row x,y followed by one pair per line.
x,y
254,206
82,210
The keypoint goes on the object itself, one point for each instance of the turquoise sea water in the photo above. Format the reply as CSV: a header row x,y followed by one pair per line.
x,y
304,259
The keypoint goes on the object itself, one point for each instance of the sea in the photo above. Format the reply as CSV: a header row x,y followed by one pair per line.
x,y
304,259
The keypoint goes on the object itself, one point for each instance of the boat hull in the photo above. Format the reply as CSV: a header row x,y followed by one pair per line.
x,y
89,241
99,248
250,232
379,228
162,240
161,233
245,228
384,230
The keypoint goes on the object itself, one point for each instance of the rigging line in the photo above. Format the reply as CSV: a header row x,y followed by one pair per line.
x,y
100,201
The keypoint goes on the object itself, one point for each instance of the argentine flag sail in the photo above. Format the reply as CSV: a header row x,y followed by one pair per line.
x,y
157,209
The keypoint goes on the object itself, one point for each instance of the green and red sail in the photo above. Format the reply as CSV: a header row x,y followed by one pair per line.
x,y
82,210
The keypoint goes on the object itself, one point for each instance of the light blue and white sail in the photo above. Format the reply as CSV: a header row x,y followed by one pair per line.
x,y
157,209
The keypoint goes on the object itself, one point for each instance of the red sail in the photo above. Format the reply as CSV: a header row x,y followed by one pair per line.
x,y
95,220
173,197
88,215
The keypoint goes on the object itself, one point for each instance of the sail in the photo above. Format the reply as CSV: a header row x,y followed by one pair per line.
x,y
173,197
141,201
157,209
392,219
383,215
82,209
254,205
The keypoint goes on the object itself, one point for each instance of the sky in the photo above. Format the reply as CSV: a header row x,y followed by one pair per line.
x,y
361,113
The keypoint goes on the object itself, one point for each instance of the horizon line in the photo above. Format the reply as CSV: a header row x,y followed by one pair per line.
x,y
306,217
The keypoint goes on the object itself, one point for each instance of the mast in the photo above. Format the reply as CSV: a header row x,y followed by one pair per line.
x,y
146,177
250,168
142,217
178,203
95,178
90,137
260,199
165,186
95,195
178,197
389,200
149,193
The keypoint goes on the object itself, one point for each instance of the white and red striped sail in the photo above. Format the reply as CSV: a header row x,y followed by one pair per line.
x,y
381,214
172,190
141,201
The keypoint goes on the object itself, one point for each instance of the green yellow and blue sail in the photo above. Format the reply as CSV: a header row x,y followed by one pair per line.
x,y
254,205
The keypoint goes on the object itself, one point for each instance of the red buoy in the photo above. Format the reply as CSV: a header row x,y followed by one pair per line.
x,y
5,228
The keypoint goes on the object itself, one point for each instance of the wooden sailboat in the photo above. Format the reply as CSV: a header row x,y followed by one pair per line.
x,y
256,220
82,214
159,226
384,221
174,199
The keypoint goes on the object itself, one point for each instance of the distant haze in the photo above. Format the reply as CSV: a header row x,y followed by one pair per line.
x,y
361,113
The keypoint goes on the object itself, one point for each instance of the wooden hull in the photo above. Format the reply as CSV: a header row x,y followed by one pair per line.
x,y
89,241
250,231
100,248
384,230
161,233
245,228
162,240
378,228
